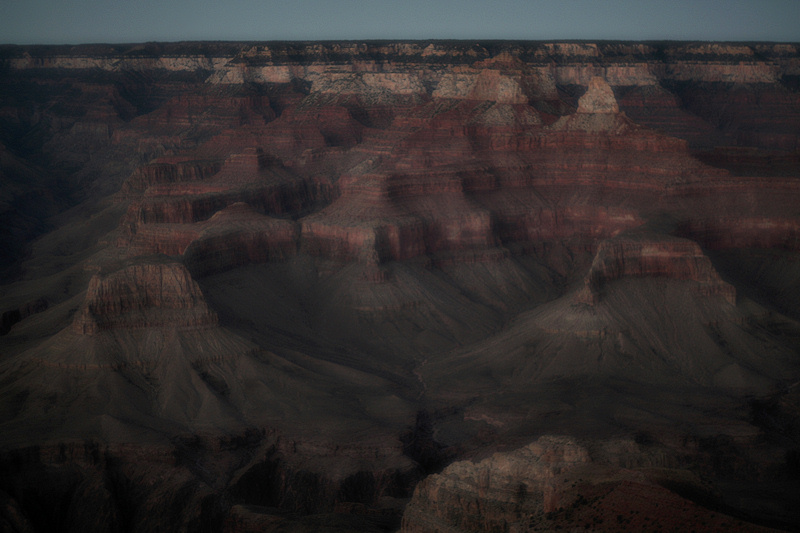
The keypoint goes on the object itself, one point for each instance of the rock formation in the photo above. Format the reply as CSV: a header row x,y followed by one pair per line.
x,y
239,236
598,98
553,483
640,255
144,294
257,285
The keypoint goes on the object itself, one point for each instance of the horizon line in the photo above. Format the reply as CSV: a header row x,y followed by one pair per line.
x,y
399,40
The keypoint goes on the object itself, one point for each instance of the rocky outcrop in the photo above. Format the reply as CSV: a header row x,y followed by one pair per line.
x,y
388,218
491,83
473,175
250,177
598,98
554,484
213,214
147,293
482,497
168,170
643,255
491,121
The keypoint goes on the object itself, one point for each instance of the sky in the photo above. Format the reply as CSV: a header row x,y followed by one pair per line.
x,y
129,21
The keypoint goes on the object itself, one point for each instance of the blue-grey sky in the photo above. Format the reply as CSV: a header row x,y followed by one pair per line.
x,y
114,21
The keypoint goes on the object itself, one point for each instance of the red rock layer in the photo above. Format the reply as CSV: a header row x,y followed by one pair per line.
x,y
655,107
250,177
167,170
397,218
477,158
653,256
731,231
144,294
211,107
239,236
466,175
312,127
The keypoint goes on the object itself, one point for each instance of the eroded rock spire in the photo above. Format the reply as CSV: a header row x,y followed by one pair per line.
x,y
599,98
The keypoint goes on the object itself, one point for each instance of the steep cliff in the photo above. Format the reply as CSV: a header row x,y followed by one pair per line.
x,y
640,255
144,294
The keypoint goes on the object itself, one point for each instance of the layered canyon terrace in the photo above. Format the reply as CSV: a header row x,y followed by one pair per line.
x,y
428,286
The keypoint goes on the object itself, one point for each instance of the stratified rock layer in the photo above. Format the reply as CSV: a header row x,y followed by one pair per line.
x,y
553,483
479,497
145,294
647,256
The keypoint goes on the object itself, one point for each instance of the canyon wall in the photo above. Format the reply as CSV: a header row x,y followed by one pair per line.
x,y
278,285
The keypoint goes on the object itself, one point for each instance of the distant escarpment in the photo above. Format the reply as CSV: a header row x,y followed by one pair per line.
x,y
389,256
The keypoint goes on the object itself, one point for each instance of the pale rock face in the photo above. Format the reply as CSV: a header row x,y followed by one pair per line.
x,y
638,74
238,74
488,84
598,112
572,49
479,497
395,82
599,98
359,83
716,49
455,85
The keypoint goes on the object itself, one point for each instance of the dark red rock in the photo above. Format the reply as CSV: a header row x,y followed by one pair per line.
x,y
643,255
143,294
238,236
167,170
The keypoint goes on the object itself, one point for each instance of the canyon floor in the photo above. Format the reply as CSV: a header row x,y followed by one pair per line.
x,y
416,286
